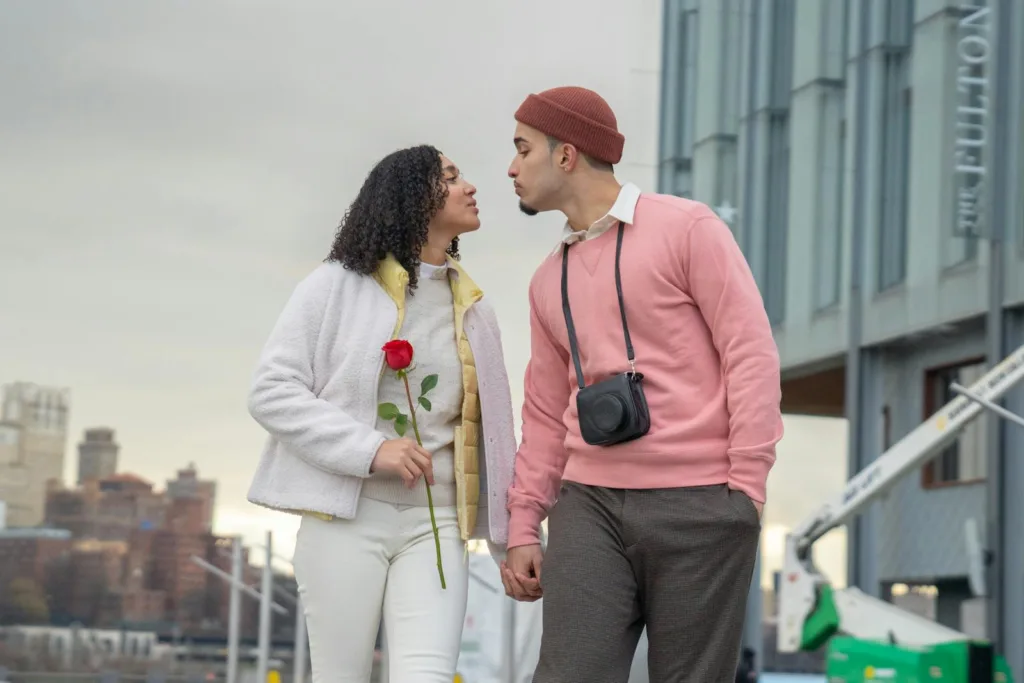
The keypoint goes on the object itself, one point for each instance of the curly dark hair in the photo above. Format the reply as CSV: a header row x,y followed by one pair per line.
x,y
396,203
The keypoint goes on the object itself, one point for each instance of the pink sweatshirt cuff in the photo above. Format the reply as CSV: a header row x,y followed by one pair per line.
x,y
524,526
749,474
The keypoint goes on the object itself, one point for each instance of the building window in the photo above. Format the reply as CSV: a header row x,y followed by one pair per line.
x,y
894,152
964,460
828,236
776,219
679,110
1019,196
1017,114
732,24
886,428
726,191
835,29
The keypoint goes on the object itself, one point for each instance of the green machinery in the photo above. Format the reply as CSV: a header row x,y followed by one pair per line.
x,y
870,639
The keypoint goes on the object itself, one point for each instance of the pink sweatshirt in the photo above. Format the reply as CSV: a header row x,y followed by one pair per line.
x,y
702,340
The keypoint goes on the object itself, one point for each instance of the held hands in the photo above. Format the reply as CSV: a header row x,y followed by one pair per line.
x,y
520,572
405,458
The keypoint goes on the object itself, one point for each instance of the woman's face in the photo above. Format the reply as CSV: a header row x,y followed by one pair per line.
x,y
459,213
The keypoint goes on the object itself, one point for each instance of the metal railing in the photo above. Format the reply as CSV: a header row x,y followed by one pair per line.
x,y
267,606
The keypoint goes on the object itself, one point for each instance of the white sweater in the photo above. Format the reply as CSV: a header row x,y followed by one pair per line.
x,y
315,393
429,325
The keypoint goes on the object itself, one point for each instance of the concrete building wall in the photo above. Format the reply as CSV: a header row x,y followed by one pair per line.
x,y
1012,480
832,154
740,106
921,535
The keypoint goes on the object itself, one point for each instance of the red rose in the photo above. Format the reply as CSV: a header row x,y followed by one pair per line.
x,y
397,354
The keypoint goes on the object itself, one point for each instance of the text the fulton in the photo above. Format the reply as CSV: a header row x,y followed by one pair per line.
x,y
971,120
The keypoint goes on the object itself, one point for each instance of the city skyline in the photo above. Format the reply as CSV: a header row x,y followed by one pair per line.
x,y
792,465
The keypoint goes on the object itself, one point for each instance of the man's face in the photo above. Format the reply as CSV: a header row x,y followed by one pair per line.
x,y
536,177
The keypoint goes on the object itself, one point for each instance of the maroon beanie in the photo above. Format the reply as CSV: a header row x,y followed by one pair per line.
x,y
577,116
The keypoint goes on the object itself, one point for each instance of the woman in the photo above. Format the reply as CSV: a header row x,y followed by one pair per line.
x,y
365,547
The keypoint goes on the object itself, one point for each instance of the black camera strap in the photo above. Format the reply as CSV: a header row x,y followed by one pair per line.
x,y
573,345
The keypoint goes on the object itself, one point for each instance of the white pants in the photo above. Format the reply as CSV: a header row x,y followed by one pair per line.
x,y
348,570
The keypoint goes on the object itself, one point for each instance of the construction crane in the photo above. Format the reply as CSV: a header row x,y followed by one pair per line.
x,y
870,639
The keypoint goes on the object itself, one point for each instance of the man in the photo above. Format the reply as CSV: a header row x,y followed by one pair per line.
x,y
658,529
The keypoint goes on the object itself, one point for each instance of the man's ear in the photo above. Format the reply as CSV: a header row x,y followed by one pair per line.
x,y
567,157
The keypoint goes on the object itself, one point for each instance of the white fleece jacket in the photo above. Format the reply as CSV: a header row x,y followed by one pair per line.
x,y
315,393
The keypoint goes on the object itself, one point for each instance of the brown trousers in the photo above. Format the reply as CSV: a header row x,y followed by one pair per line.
x,y
678,561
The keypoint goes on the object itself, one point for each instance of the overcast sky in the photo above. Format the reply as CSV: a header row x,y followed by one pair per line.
x,y
170,170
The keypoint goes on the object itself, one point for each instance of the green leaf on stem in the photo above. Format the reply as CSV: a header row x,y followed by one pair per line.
x,y
425,402
388,411
428,383
401,424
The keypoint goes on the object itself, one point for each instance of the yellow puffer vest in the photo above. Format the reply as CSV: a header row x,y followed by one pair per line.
x,y
394,279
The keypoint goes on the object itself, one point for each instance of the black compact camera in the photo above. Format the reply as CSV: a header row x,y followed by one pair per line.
x,y
613,410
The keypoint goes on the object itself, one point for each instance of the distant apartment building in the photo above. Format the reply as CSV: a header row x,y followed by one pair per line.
x,y
114,507
33,437
27,557
97,454
131,561
161,578
26,553
107,509
148,581
86,584
196,495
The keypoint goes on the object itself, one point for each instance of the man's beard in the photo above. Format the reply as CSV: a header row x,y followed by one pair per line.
x,y
528,210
